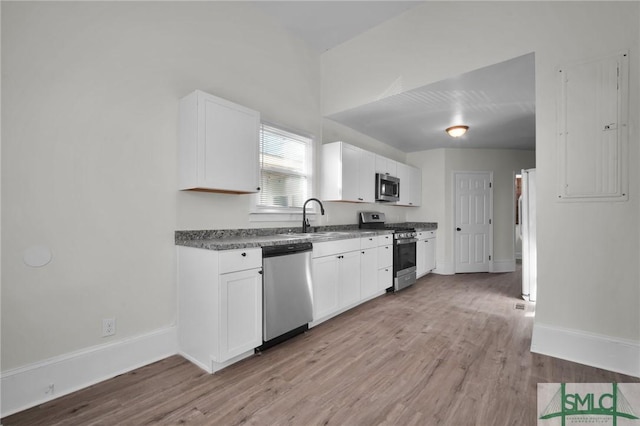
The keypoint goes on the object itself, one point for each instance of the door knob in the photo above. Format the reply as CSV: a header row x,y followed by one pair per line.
x,y
458,229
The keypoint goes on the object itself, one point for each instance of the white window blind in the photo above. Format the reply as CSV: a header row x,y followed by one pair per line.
x,y
285,168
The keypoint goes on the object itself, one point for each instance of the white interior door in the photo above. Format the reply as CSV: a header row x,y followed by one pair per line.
x,y
472,211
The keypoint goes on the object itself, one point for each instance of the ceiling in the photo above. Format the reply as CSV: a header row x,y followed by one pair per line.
x,y
496,102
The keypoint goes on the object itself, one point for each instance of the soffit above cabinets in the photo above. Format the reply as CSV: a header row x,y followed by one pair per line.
x,y
497,102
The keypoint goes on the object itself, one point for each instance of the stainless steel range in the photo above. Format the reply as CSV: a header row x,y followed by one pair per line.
x,y
404,247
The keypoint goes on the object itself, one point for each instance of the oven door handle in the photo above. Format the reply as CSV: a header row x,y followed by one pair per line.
x,y
406,241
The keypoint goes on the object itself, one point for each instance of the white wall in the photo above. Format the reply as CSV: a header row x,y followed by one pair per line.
x,y
588,272
89,112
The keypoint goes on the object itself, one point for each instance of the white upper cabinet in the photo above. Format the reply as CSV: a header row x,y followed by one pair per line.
x,y
387,166
218,146
410,185
348,173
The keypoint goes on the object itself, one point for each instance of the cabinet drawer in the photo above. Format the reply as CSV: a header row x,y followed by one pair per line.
x,y
385,256
385,239
368,242
239,260
423,235
334,247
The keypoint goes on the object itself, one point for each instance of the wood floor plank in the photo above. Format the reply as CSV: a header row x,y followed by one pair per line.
x,y
451,350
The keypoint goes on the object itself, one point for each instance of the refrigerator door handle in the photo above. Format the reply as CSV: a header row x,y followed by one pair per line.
x,y
520,214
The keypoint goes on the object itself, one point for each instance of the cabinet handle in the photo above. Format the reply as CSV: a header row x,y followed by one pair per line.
x,y
258,188
260,271
244,254
360,199
362,252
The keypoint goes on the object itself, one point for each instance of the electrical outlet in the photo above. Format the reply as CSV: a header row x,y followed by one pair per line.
x,y
108,327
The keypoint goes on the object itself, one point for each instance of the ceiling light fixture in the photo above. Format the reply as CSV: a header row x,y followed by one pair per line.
x,y
457,131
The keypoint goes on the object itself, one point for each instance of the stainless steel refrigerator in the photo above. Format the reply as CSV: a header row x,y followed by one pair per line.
x,y
528,230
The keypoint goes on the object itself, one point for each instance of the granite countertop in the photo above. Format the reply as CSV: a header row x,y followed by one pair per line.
x,y
229,239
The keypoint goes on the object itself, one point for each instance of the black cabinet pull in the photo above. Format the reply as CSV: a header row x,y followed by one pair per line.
x,y
260,271
458,229
244,254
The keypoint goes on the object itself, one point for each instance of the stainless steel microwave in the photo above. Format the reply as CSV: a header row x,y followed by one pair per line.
x,y
387,188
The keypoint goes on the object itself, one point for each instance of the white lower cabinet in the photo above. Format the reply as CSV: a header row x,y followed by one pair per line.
x,y
425,252
368,272
385,262
325,286
349,272
219,305
240,313
336,278
348,279
385,277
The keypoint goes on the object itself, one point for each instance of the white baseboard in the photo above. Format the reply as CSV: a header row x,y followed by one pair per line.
x,y
508,265
27,386
444,269
608,353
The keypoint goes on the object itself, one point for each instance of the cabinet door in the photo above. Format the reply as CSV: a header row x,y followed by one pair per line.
x,y
386,165
350,173
349,283
405,185
385,278
325,286
240,313
229,149
430,254
368,272
421,257
218,145
410,185
415,186
367,177
385,256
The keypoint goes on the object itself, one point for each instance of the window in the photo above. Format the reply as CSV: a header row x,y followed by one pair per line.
x,y
285,170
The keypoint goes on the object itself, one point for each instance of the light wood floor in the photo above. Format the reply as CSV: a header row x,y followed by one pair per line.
x,y
451,350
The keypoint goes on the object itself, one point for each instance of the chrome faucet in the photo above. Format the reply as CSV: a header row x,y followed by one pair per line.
x,y
305,221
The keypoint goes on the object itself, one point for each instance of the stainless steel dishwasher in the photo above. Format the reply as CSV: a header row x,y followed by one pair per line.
x,y
287,295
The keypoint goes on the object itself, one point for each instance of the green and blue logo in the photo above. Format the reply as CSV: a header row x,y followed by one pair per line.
x,y
588,403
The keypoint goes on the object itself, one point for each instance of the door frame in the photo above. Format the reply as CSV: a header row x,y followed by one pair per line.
x,y
452,231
